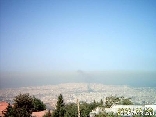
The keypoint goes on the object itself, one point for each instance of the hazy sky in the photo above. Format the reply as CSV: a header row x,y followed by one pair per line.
x,y
44,35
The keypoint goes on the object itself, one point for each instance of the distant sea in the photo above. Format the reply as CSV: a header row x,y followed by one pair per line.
x,y
25,79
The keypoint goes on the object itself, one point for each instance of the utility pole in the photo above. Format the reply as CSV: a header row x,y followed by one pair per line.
x,y
78,107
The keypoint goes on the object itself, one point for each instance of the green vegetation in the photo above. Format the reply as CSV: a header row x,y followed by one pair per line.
x,y
86,108
10,112
71,109
38,105
60,107
24,105
117,100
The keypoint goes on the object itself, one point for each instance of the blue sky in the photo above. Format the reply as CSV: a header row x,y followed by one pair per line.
x,y
70,35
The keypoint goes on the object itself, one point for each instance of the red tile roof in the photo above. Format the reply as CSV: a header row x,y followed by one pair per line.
x,y
3,106
39,114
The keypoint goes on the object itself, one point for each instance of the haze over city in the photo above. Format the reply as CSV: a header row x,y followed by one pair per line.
x,y
51,42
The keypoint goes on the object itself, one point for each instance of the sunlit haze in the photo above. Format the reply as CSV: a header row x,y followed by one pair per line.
x,y
104,41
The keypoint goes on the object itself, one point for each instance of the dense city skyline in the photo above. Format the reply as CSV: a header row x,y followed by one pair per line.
x,y
87,92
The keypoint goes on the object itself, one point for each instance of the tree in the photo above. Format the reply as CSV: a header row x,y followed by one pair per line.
x,y
9,111
101,102
38,104
71,110
23,106
86,108
117,100
111,100
126,101
60,107
22,112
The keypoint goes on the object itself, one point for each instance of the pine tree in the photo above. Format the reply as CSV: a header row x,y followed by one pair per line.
x,y
10,112
60,107
101,102
38,104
